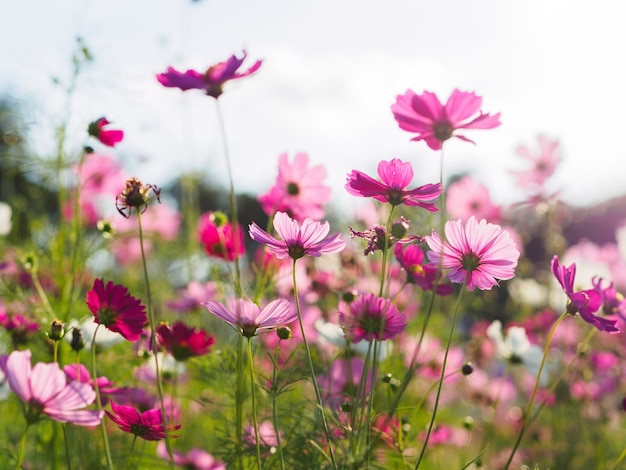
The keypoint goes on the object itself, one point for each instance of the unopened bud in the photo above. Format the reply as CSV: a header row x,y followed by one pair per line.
x,y
57,330
283,332
78,339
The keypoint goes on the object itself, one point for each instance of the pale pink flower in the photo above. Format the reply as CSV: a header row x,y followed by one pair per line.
x,y
249,320
101,174
467,197
308,239
543,164
395,177
195,459
298,190
45,391
434,123
477,254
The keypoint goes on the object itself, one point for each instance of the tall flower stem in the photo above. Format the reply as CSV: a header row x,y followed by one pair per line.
x,y
130,453
153,340
20,456
318,394
103,429
441,379
534,394
239,393
232,198
279,445
253,398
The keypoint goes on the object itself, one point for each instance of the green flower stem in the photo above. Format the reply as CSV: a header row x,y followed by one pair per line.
x,y
20,457
279,445
257,438
103,429
441,379
239,395
532,397
130,453
67,448
41,293
620,459
153,341
232,199
310,360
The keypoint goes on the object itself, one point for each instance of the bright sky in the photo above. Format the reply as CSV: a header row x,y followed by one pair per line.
x,y
331,71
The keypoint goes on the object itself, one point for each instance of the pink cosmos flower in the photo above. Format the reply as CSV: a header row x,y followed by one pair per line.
x,y
308,239
396,175
114,307
212,81
216,235
18,326
195,459
147,425
45,391
478,254
543,164
369,317
298,189
249,320
80,373
109,137
182,341
585,302
191,298
412,260
435,123
101,174
467,197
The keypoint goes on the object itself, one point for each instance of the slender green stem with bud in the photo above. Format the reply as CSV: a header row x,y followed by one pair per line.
x,y
105,438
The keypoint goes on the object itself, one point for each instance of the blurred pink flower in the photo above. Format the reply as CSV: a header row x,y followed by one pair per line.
x,y
80,373
308,239
45,391
411,258
435,123
585,302
192,296
249,320
396,175
369,317
195,459
109,137
298,190
100,174
216,235
162,220
543,164
182,341
147,425
477,254
212,81
467,197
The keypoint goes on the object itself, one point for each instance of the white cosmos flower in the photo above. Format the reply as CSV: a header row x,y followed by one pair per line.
x,y
5,219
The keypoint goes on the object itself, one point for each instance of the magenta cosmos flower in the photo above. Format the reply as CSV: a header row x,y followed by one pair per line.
x,y
147,425
308,239
218,237
478,254
369,317
435,123
298,190
585,302
45,391
411,258
109,137
249,320
182,341
113,307
195,459
212,81
396,175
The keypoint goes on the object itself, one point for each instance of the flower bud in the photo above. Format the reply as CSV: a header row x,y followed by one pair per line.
x,y
78,339
57,330
283,332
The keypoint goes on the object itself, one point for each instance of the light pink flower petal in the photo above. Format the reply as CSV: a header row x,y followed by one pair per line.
x,y
73,396
17,371
46,381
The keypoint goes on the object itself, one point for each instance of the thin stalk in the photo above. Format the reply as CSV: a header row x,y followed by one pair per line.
x,y
546,350
279,445
443,374
310,360
232,199
620,459
105,438
67,449
239,401
153,341
253,397
130,453
20,456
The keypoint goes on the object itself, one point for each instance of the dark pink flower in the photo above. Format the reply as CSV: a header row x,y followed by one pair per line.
x,y
543,164
114,307
585,302
477,254
80,373
299,190
195,459
109,137
182,341
147,425
396,175
369,317
212,81
418,271
45,391
308,239
249,320
18,326
435,123
217,237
